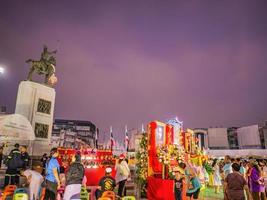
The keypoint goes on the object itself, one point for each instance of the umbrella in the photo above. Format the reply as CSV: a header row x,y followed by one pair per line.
x,y
17,127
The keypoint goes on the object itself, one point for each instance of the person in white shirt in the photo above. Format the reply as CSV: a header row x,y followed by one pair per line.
x,y
122,174
35,180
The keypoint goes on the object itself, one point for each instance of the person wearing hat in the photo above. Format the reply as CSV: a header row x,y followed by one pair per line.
x,y
179,184
14,162
106,183
122,173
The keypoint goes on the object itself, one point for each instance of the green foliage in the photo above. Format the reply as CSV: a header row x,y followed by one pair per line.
x,y
142,164
208,168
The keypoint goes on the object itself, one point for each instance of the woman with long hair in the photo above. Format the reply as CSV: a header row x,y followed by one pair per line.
x,y
122,174
257,183
217,182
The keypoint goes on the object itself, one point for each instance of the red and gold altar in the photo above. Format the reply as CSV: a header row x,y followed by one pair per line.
x,y
95,162
164,154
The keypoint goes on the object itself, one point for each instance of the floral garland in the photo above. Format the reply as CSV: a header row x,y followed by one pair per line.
x,y
142,164
169,153
163,153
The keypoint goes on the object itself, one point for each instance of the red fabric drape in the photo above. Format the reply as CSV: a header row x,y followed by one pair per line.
x,y
93,176
159,189
153,160
169,135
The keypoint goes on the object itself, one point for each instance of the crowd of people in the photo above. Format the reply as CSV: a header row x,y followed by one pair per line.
x,y
17,160
236,178
54,181
239,174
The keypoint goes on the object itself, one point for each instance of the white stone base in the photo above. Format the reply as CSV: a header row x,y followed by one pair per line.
x,y
30,96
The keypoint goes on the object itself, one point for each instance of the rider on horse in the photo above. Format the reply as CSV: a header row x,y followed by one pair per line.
x,y
47,56
45,66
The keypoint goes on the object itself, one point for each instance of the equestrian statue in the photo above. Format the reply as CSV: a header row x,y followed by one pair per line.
x,y
45,66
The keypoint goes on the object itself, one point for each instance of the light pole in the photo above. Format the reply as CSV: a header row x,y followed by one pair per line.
x,y
2,70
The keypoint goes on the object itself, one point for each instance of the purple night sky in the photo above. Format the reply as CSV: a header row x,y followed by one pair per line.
x,y
131,62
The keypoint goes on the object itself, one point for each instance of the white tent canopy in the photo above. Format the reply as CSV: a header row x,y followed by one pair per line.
x,y
16,127
238,152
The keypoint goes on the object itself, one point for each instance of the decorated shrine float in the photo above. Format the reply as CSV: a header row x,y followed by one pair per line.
x,y
95,162
167,145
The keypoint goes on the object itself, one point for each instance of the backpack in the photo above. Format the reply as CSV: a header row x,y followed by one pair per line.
x,y
16,161
75,174
124,171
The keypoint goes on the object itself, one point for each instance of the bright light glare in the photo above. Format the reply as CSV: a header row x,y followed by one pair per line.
x,y
2,70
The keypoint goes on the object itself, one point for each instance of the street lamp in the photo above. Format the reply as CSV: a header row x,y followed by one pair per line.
x,y
2,70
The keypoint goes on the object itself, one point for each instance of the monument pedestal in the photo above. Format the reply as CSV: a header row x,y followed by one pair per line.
x,y
36,102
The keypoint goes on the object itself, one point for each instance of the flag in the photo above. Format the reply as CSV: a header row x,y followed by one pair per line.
x,y
112,141
126,140
96,137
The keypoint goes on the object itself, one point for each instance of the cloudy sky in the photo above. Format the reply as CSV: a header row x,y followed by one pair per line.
x,y
131,62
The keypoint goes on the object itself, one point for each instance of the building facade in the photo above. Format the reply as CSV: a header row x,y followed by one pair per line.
x,y
263,135
232,138
73,133
249,137
217,138
202,135
3,110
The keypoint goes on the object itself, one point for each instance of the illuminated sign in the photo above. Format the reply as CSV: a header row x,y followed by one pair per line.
x,y
159,135
177,126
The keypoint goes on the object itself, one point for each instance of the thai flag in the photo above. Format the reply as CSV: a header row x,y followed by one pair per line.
x,y
126,140
112,141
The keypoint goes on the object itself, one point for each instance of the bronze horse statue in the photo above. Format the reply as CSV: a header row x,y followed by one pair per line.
x,y
44,66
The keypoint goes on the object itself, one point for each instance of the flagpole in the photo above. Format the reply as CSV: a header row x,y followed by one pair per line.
x,y
125,135
96,138
143,129
126,139
110,131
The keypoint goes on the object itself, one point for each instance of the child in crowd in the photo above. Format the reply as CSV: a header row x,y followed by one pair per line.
x,y
194,190
179,184
106,183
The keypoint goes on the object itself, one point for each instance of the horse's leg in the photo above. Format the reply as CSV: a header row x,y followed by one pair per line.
x,y
30,74
46,78
50,72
